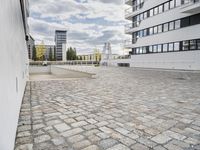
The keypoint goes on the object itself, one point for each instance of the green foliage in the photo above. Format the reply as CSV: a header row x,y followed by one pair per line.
x,y
71,54
50,55
34,54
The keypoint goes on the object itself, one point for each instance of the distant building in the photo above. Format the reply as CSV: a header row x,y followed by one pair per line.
x,y
96,56
31,44
60,39
49,48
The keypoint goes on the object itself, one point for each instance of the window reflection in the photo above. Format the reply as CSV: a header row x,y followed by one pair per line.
x,y
185,45
192,44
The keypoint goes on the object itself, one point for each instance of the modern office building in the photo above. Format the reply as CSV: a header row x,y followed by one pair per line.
x,y
60,39
31,44
13,65
165,33
47,52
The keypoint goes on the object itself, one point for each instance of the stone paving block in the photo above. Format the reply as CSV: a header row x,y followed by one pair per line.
x,y
75,138
103,135
146,142
79,124
24,147
24,134
119,147
81,144
92,147
174,135
139,147
72,132
161,139
62,127
94,138
127,141
91,121
122,131
107,143
58,141
42,138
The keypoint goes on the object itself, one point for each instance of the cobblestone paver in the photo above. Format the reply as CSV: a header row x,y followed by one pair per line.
x,y
119,109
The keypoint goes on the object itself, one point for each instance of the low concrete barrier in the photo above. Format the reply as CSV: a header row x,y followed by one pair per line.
x,y
58,72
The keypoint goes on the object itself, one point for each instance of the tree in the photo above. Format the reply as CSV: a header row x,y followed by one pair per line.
x,y
54,56
71,54
50,54
34,54
40,51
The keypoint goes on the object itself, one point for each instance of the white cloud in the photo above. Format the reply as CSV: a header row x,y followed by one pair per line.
x,y
90,23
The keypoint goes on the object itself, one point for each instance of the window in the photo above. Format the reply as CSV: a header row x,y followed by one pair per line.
x,y
160,9
141,16
193,45
150,31
151,12
145,32
155,30
141,33
195,19
177,24
185,22
166,6
155,48
171,47
176,46
159,28
172,4
155,10
165,47
145,15
141,50
185,45
144,50
165,27
137,50
150,49
198,44
171,26
178,3
159,48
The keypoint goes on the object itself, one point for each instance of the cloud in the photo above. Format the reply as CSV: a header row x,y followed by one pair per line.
x,y
90,23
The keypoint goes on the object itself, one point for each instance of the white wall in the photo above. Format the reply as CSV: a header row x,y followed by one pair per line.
x,y
187,60
13,69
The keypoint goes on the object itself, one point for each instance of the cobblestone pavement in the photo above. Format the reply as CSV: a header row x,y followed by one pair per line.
x,y
120,109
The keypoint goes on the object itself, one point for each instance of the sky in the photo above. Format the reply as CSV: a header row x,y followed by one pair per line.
x,y
90,23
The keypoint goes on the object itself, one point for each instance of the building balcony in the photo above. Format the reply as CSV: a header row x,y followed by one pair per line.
x,y
190,6
130,27
129,43
134,10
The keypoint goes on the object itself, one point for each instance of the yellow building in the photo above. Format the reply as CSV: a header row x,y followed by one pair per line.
x,y
96,56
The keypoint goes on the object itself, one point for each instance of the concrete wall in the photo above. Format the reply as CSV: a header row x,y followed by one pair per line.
x,y
14,70
39,69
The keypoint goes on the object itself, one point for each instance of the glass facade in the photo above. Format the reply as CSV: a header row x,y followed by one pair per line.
x,y
187,45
